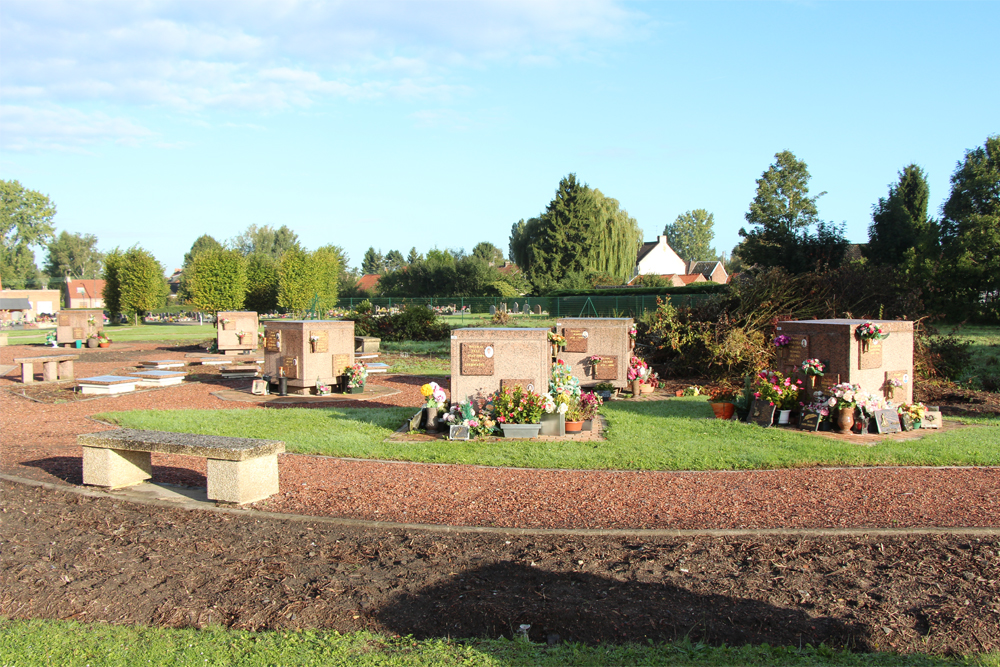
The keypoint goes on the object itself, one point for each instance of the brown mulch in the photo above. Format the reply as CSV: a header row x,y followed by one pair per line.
x,y
67,556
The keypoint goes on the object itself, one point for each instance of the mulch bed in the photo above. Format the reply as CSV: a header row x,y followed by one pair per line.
x,y
67,556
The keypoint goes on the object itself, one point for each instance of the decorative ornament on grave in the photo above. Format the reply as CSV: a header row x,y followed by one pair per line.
x,y
870,334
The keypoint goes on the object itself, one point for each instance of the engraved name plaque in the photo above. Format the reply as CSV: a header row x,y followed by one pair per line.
x,y
476,359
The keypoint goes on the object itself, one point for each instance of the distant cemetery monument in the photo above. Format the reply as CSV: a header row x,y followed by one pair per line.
x,y
873,365
74,325
591,337
304,351
484,360
236,331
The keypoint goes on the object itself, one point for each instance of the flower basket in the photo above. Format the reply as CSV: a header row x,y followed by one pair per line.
x,y
723,410
520,430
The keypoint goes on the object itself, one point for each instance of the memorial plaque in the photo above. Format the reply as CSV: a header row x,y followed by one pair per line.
x,y
78,333
797,350
887,421
870,358
809,420
932,419
889,390
906,421
576,340
340,362
272,342
291,366
458,432
416,421
63,319
322,342
761,413
259,388
477,359
525,383
606,368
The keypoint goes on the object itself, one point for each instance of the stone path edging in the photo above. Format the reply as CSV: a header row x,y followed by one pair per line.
x,y
205,506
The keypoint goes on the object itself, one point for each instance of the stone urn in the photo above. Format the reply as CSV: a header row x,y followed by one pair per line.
x,y
92,342
636,388
844,420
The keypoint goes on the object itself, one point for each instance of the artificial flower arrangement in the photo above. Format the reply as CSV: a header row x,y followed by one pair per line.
x,y
463,414
313,338
637,369
844,396
868,331
781,340
517,406
820,405
633,332
356,375
240,335
91,320
434,394
557,339
813,367
868,403
224,321
915,410
564,388
724,393
693,390
593,360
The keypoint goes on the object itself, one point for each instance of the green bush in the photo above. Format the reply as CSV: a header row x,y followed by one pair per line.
x,y
948,356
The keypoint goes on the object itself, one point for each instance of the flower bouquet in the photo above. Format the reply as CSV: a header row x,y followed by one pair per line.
x,y
593,360
557,339
915,411
781,340
868,332
843,399
355,377
434,395
463,414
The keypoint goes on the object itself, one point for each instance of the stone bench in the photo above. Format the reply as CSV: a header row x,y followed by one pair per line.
x,y
240,470
54,367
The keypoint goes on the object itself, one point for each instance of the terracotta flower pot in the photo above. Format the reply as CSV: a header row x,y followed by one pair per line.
x,y
104,344
574,427
723,410
679,393
844,420
646,388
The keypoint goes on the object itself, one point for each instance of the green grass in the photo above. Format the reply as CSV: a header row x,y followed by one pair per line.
x,y
44,643
984,369
678,434
125,334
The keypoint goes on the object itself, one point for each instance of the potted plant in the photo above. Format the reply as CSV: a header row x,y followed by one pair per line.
x,y
574,416
436,400
637,370
789,400
103,341
464,415
518,411
915,411
590,403
355,377
843,402
723,401
92,340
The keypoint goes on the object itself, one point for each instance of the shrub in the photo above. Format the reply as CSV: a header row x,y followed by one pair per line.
x,y
948,356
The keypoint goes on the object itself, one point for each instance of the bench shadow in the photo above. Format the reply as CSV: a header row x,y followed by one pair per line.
x,y
70,470
494,600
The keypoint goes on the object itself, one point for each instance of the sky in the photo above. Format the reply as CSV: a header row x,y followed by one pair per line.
x,y
440,124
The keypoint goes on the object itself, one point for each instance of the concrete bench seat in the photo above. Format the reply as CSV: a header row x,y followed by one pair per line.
x,y
240,470
54,367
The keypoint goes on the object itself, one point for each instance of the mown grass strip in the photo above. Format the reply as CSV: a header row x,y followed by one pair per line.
x,y
678,434
44,643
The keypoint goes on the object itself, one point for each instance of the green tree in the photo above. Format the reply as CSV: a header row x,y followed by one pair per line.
x,y
25,221
413,257
691,234
326,264
200,245
134,283
970,234
373,262
215,279
394,260
73,255
581,230
782,213
296,283
899,221
489,253
267,240
262,283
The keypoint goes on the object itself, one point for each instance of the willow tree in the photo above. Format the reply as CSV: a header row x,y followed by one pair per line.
x,y
581,231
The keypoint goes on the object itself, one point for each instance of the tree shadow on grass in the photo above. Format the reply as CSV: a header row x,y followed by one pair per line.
x,y
495,600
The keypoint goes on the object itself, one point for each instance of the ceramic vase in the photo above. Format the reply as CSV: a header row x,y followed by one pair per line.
x,y
723,410
784,416
845,420
432,418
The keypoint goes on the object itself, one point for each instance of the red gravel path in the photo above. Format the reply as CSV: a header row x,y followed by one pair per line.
x,y
38,441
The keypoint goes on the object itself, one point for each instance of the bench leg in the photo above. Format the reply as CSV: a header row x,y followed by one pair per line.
x,y
50,371
242,481
114,468
66,370
27,372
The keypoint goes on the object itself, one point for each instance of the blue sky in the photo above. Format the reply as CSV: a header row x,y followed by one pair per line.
x,y
441,124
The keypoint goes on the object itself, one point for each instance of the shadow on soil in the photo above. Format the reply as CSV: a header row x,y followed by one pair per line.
x,y
495,600
70,470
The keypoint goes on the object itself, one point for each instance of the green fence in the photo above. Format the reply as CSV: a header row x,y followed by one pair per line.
x,y
563,306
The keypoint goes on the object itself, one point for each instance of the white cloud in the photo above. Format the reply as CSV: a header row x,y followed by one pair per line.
x,y
266,56
30,129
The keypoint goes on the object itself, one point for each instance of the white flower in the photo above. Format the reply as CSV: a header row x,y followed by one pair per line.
x,y
832,402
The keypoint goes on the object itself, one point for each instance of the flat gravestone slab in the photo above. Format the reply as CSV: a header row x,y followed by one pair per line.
x,y
159,378
107,379
108,384
164,363
377,367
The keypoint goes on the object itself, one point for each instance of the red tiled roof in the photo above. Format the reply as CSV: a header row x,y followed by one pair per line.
x,y
368,282
92,289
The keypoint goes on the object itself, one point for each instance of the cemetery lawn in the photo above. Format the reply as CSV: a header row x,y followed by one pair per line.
x,y
43,643
126,334
677,434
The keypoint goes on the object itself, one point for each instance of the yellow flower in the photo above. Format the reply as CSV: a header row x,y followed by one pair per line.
x,y
426,390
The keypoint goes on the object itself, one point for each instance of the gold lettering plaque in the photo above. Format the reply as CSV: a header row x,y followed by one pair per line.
x,y
576,340
321,342
78,333
63,319
524,383
606,368
340,362
291,367
871,357
272,343
797,350
477,359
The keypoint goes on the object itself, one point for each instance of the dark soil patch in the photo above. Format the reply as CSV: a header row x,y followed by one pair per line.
x,y
72,557
957,400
